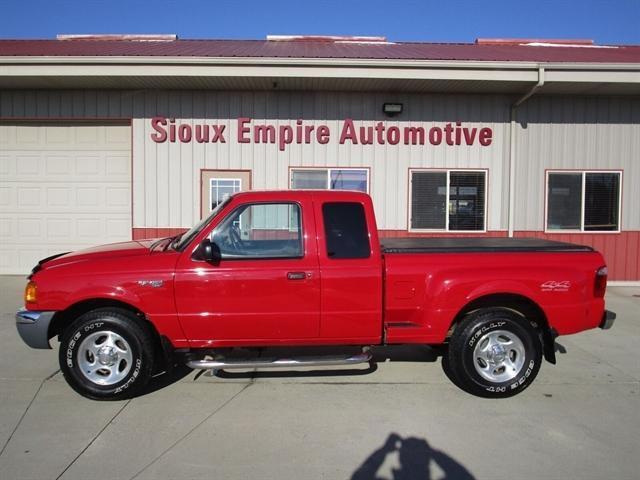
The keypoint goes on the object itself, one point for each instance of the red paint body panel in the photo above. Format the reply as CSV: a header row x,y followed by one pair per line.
x,y
250,301
112,272
351,288
410,297
426,291
246,302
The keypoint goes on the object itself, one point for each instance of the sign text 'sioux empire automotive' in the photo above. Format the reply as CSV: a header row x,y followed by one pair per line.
x,y
451,134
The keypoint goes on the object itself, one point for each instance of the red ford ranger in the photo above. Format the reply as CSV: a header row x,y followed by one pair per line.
x,y
306,269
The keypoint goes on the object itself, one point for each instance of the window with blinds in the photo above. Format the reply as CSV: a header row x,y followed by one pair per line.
x,y
601,202
330,179
583,201
466,200
428,200
564,193
448,200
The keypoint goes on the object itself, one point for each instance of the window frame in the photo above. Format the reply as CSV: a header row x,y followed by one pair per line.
x,y
244,206
367,170
583,174
217,179
206,173
448,171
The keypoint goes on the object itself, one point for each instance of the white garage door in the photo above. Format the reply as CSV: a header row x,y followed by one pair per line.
x,y
62,187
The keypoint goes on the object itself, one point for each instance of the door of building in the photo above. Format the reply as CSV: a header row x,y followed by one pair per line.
x,y
63,186
217,185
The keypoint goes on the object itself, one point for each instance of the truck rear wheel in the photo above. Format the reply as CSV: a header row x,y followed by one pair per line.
x,y
106,355
494,353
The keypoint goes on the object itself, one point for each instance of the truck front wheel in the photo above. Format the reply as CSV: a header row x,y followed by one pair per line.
x,y
106,355
494,353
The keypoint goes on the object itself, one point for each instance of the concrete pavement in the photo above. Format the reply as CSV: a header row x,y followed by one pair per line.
x,y
404,420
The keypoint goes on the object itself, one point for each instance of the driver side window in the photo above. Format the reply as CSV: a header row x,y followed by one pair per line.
x,y
261,231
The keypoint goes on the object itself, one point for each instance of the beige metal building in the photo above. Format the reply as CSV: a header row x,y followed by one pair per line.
x,y
105,139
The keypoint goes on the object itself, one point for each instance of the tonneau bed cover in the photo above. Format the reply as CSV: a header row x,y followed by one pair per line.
x,y
466,244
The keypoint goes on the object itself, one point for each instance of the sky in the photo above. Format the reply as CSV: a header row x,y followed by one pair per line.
x,y
604,21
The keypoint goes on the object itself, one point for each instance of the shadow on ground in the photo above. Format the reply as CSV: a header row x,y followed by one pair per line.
x,y
410,458
394,353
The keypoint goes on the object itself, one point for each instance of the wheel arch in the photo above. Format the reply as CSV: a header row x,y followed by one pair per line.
x,y
65,317
519,304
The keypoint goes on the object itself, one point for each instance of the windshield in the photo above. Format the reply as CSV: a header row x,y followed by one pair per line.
x,y
195,230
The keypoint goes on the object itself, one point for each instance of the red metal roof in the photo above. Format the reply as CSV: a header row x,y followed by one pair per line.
x,y
539,52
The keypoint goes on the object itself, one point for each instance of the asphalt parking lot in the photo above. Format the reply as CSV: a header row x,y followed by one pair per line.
x,y
403,420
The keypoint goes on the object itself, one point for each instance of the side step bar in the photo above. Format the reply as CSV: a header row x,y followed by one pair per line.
x,y
273,362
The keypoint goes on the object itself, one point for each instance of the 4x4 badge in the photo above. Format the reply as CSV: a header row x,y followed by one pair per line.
x,y
555,286
150,283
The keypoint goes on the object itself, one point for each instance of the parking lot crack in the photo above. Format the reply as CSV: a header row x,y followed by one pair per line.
x,y
26,410
198,425
94,439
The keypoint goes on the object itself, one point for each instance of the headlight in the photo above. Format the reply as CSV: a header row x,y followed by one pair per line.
x,y
30,293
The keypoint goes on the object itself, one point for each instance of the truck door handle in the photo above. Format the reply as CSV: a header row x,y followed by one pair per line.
x,y
297,275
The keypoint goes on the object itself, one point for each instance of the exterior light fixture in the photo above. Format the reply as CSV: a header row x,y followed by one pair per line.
x,y
392,109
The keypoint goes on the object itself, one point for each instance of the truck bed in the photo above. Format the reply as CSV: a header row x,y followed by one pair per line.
x,y
473,245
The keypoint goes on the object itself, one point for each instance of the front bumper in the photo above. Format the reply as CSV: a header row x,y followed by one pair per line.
x,y
608,317
33,327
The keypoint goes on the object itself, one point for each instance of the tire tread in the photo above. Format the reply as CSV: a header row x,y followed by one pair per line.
x,y
458,346
127,321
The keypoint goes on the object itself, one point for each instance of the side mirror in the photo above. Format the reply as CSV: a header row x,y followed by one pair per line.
x,y
208,251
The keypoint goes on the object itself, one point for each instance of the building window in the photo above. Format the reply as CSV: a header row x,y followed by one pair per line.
x,y
446,200
223,188
330,179
583,201
218,185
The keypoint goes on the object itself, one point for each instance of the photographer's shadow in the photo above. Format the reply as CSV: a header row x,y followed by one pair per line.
x,y
417,461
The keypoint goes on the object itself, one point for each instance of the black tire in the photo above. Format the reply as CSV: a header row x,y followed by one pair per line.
x,y
106,354
494,353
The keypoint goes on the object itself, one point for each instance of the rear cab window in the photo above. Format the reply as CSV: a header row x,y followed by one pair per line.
x,y
345,229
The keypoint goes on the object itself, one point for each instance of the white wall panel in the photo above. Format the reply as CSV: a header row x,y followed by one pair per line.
x,y
552,132
576,133
166,176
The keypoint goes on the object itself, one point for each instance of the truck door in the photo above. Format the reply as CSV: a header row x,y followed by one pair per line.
x,y
266,286
350,268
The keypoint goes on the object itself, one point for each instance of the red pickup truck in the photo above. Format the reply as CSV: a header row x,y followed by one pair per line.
x,y
306,269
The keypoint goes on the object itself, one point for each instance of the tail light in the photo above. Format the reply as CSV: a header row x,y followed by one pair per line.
x,y
600,285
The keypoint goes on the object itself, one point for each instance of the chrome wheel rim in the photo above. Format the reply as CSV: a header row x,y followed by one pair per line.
x,y
105,358
499,356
